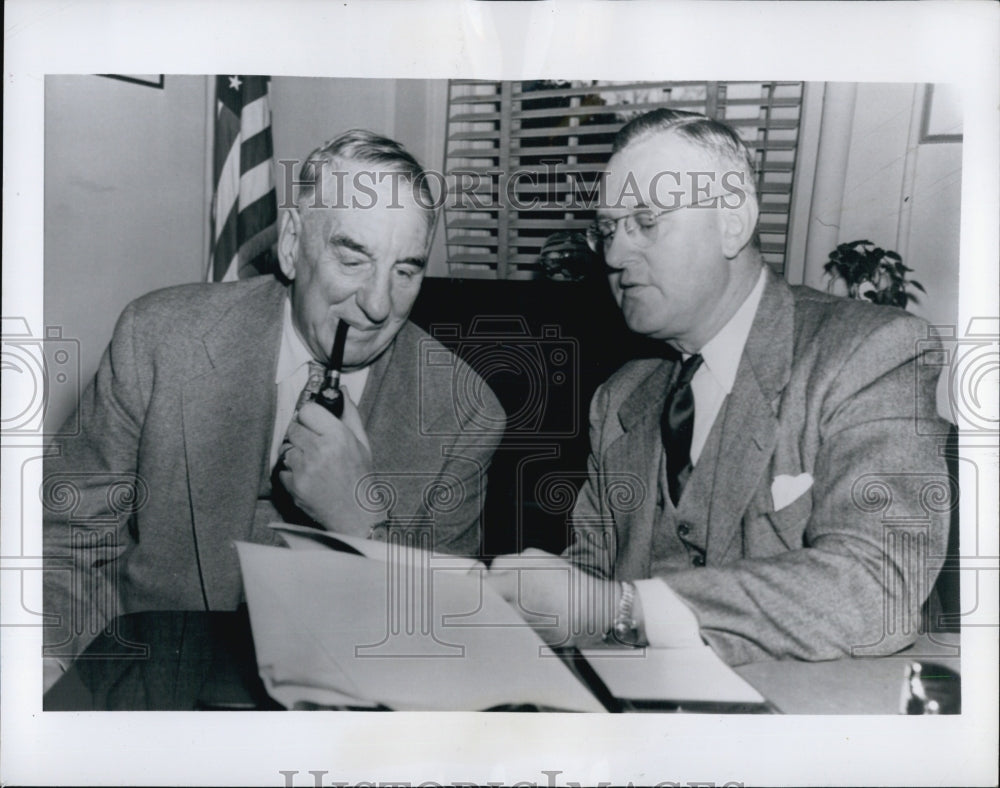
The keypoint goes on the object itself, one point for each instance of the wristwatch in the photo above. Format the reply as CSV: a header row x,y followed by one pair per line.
x,y
379,531
625,629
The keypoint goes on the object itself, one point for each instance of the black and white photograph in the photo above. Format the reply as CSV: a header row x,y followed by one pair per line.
x,y
626,419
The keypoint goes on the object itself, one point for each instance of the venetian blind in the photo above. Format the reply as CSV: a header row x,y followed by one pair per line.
x,y
522,159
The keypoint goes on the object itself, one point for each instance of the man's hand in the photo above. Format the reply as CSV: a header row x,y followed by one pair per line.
x,y
565,605
324,459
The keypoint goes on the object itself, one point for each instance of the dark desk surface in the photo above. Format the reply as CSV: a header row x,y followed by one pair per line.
x,y
166,661
183,661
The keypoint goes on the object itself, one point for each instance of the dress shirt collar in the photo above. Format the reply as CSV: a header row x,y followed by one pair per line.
x,y
722,352
293,353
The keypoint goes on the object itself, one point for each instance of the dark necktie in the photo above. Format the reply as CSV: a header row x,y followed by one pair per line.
x,y
676,426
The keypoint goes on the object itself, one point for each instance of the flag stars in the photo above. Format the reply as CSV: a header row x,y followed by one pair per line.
x,y
235,82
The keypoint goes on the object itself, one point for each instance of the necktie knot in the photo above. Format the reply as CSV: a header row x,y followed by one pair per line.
x,y
316,373
689,367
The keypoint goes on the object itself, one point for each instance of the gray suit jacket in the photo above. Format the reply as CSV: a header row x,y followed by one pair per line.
x,y
828,387
143,506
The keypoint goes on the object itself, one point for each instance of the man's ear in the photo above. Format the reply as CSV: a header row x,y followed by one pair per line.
x,y
289,236
737,225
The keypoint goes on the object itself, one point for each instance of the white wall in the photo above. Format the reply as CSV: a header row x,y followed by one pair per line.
x,y
898,192
307,112
932,243
124,203
871,200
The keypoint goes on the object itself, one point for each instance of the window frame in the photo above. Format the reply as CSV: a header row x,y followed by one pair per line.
x,y
493,127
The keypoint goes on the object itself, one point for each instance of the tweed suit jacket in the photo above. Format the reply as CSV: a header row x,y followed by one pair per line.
x,y
829,387
143,506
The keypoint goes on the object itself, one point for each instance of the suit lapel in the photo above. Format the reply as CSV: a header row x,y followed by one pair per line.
x,y
228,419
639,447
750,427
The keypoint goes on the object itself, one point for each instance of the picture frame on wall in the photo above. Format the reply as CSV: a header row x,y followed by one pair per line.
x,y
148,80
942,114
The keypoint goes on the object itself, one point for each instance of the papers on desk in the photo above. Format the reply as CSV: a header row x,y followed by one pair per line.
x,y
304,537
674,676
346,622
335,629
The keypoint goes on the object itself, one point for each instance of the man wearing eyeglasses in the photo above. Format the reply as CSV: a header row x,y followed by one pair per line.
x,y
761,490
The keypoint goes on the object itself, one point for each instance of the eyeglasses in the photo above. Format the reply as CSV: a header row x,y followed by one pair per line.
x,y
642,226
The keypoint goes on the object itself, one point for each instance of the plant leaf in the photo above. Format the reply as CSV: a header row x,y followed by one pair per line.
x,y
917,285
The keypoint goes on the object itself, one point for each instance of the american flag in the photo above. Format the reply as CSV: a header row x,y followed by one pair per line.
x,y
244,205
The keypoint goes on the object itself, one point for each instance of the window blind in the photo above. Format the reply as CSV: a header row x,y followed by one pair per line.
x,y
522,159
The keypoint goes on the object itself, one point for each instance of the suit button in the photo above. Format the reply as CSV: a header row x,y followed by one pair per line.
x,y
698,560
683,529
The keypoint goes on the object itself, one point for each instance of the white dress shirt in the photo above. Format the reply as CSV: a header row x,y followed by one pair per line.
x,y
669,623
291,377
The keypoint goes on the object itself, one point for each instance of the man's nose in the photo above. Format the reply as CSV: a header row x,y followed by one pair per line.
x,y
618,249
375,297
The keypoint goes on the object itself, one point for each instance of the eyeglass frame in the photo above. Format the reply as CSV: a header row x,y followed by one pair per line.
x,y
597,244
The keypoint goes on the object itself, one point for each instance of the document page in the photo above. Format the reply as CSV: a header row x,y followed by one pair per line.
x,y
304,537
334,628
670,675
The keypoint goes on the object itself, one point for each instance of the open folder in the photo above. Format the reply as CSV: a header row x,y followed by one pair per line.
x,y
353,623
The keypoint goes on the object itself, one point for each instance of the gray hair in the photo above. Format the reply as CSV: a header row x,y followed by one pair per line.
x,y
714,136
367,147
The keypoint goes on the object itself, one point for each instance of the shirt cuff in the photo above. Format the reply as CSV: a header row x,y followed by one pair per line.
x,y
667,621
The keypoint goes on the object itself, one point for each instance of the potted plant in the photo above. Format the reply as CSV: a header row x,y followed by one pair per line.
x,y
873,273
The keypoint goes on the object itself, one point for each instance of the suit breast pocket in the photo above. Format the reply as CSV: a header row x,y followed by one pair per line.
x,y
771,533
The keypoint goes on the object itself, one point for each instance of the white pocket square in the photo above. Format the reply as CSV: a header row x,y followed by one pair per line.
x,y
785,488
